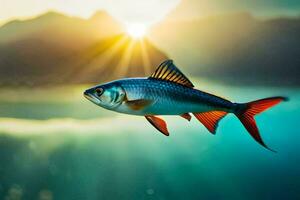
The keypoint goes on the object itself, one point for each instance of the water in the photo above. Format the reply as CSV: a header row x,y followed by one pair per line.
x,y
54,144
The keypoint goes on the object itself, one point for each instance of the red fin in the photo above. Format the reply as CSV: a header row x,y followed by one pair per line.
x,y
159,124
186,116
210,119
258,106
246,113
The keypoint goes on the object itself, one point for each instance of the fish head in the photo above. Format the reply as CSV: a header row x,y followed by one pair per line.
x,y
109,95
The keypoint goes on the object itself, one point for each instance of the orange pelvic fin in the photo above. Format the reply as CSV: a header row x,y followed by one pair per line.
x,y
158,123
186,116
210,119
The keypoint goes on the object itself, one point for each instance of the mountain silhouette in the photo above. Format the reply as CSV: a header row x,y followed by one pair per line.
x,y
235,48
98,26
57,49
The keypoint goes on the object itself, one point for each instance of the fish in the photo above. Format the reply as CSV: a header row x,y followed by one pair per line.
x,y
169,92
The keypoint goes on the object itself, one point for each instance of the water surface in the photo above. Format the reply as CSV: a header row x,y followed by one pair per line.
x,y
54,144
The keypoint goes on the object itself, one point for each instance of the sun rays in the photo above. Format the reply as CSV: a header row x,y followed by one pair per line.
x,y
134,48
115,57
145,58
123,65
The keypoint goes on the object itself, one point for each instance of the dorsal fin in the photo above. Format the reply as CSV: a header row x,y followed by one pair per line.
x,y
167,71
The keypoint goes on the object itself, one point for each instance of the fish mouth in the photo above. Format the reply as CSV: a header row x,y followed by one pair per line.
x,y
91,98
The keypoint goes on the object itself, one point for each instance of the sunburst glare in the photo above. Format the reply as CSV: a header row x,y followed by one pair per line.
x,y
136,30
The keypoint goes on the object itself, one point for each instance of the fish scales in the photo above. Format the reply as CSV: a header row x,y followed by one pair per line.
x,y
171,98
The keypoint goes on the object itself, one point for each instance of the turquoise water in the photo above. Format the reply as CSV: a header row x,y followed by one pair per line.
x,y
54,144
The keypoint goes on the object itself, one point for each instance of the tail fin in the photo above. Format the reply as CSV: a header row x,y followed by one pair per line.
x,y
246,112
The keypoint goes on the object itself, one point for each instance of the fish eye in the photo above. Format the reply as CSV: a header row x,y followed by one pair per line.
x,y
99,91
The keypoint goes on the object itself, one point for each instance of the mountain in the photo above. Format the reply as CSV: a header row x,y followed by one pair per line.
x,y
98,26
235,48
58,49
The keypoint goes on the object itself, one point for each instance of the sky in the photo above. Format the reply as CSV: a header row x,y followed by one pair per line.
x,y
258,8
145,11
125,10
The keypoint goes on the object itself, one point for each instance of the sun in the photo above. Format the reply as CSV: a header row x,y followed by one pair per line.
x,y
136,30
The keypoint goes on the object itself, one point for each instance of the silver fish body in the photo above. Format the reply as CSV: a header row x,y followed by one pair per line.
x,y
168,98
169,92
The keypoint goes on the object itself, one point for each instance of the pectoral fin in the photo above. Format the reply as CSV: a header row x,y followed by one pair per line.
x,y
159,124
186,116
138,104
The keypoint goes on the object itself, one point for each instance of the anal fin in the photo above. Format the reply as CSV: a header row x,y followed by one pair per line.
x,y
158,123
186,116
210,119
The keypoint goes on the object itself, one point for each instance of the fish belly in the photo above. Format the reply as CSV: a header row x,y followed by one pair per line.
x,y
163,107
